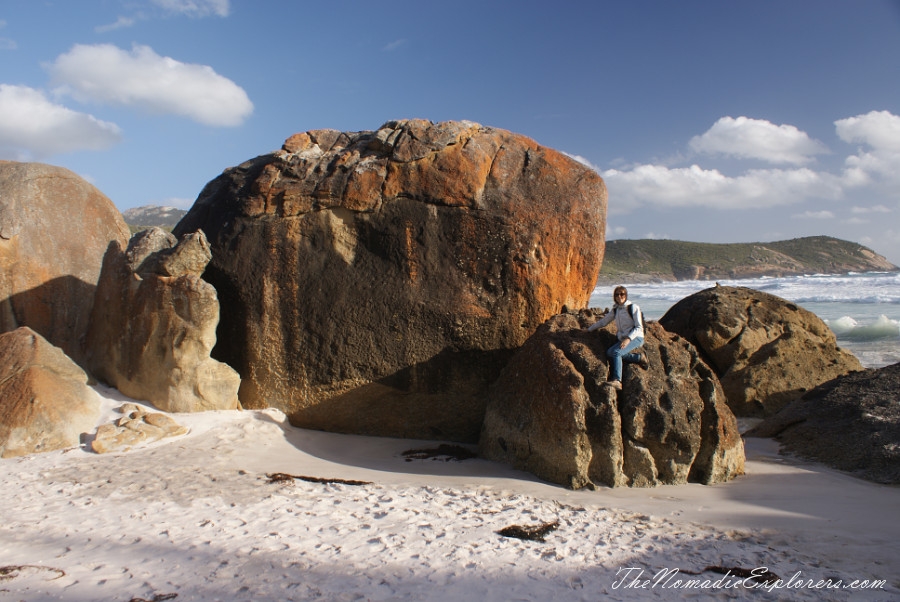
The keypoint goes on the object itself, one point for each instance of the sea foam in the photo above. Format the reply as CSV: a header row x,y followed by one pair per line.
x,y
848,328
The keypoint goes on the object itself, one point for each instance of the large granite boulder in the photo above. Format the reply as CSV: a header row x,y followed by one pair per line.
x,y
375,282
154,325
551,413
766,351
54,230
45,401
851,423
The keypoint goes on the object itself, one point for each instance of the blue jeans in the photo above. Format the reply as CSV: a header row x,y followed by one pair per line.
x,y
618,355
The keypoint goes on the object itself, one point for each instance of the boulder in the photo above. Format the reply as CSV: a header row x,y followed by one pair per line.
x,y
376,282
851,423
154,325
766,351
550,412
54,230
45,401
136,427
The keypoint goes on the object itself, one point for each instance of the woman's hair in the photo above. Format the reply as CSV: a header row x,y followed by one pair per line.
x,y
620,289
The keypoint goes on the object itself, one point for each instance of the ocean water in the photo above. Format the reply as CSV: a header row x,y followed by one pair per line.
x,y
863,310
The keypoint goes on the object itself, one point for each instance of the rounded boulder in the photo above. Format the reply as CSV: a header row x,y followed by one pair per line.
x,y
375,282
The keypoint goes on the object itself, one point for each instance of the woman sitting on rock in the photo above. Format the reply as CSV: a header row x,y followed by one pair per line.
x,y
629,331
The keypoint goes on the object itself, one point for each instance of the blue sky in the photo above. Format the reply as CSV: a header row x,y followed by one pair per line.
x,y
711,121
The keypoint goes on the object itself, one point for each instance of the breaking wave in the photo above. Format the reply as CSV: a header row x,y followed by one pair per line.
x,y
882,329
876,287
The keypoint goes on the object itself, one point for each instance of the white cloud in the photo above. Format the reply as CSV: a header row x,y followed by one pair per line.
x,y
195,8
394,45
758,139
6,43
582,160
870,168
814,215
189,8
121,23
32,127
697,187
880,164
178,202
141,78
873,209
878,129
868,186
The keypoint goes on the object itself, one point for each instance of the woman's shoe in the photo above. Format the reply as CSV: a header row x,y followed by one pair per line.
x,y
643,363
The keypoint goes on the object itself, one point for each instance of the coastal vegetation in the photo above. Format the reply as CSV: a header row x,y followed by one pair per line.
x,y
669,260
148,216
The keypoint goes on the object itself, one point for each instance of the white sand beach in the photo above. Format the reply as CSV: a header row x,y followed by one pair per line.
x,y
196,518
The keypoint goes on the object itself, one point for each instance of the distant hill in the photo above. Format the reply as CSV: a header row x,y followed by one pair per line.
x,y
669,260
141,218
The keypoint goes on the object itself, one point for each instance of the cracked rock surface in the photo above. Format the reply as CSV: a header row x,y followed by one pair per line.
x,y
550,412
765,350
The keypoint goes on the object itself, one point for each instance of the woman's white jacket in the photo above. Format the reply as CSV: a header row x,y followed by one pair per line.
x,y
628,321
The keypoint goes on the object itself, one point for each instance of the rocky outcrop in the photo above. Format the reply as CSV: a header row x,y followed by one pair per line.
x,y
54,230
551,413
766,351
851,423
154,325
375,282
136,427
45,401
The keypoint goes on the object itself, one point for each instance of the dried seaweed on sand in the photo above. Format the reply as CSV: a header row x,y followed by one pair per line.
x,y
531,532
156,598
12,571
281,477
